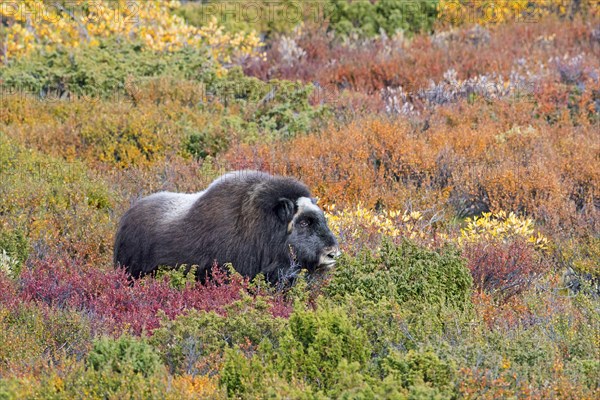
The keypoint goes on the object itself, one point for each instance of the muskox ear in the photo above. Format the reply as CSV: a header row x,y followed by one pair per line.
x,y
285,210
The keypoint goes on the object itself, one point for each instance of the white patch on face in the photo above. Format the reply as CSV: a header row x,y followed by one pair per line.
x,y
176,205
304,204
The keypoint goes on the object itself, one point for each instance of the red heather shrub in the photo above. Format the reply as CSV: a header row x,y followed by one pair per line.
x,y
503,269
369,65
115,306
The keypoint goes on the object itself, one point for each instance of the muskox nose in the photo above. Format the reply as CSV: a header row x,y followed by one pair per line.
x,y
332,252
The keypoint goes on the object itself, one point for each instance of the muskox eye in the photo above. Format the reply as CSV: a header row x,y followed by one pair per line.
x,y
304,223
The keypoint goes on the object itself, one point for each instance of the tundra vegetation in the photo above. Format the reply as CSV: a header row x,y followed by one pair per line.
x,y
454,145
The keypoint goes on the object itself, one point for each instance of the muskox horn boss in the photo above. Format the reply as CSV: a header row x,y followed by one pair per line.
x,y
258,222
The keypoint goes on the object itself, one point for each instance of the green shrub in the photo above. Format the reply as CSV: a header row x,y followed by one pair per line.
x,y
125,355
315,351
241,375
104,71
14,250
185,341
77,382
265,16
526,349
581,260
585,256
32,334
277,109
367,18
363,17
178,277
252,111
316,342
205,143
390,326
420,368
405,273
331,353
15,243
587,371
108,384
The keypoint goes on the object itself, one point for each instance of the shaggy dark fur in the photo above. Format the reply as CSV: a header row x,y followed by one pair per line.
x,y
250,219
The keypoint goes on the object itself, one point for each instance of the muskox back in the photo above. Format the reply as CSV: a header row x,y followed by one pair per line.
x,y
247,218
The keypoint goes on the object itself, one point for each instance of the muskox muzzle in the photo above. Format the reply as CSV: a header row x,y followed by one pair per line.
x,y
329,257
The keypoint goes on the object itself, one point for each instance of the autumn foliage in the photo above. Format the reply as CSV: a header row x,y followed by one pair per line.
x,y
456,161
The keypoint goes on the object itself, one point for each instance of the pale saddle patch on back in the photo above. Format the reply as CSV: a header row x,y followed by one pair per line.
x,y
175,206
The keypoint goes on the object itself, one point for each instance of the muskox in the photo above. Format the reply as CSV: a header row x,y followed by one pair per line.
x,y
257,222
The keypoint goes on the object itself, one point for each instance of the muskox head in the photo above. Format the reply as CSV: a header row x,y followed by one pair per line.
x,y
311,244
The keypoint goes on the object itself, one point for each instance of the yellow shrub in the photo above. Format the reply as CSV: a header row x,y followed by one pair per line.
x,y
500,226
37,25
360,222
460,12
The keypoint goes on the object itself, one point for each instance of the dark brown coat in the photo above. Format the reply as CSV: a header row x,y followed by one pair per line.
x,y
258,222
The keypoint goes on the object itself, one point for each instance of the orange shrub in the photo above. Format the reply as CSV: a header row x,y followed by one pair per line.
x,y
489,155
374,162
194,387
